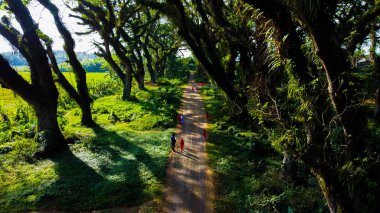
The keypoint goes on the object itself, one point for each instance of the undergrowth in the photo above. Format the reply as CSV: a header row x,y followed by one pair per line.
x,y
120,162
248,169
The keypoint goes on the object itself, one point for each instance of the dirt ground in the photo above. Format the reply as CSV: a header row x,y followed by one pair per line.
x,y
189,186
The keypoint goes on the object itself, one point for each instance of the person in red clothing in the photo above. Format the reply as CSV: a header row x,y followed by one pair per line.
x,y
179,118
182,144
204,134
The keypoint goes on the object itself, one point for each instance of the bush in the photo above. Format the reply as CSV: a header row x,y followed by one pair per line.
x,y
22,149
103,88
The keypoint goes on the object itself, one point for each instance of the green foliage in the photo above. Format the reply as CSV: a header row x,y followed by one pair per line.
x,y
103,88
179,67
120,162
24,113
247,169
153,109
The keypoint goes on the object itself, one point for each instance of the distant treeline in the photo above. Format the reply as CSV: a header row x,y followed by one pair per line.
x,y
90,61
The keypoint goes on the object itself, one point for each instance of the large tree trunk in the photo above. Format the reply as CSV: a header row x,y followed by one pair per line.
x,y
289,168
336,68
335,194
127,86
50,136
45,107
152,72
323,165
45,101
140,71
140,75
128,68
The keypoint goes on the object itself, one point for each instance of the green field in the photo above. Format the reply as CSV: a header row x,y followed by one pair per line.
x,y
120,162
9,100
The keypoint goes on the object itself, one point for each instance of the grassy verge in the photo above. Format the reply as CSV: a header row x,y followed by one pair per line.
x,y
121,162
247,169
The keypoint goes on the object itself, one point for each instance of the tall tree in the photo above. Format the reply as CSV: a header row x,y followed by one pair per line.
x,y
41,93
194,26
318,21
106,21
80,74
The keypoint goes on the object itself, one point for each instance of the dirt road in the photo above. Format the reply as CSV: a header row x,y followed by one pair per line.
x,y
189,180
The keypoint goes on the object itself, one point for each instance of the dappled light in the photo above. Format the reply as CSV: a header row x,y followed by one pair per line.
x,y
189,106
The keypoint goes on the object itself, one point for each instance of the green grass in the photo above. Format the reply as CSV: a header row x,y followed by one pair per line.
x,y
248,176
121,162
107,168
9,101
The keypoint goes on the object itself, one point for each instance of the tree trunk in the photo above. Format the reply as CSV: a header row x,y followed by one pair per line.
x,y
45,102
86,118
336,67
117,46
289,168
336,196
80,73
377,106
375,60
372,49
127,83
140,75
127,86
61,78
140,71
148,57
50,136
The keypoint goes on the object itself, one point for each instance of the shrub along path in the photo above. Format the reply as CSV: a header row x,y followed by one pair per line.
x,y
189,185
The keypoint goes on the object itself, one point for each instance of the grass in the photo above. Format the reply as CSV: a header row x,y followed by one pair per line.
x,y
247,169
108,168
9,100
120,162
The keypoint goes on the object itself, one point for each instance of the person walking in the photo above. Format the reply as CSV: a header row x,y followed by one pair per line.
x,y
173,139
182,119
182,144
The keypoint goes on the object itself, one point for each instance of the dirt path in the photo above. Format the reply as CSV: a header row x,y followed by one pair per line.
x,y
189,182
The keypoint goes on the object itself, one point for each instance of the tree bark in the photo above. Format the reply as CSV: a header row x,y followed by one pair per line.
x,y
127,87
61,78
44,106
140,71
377,107
128,69
50,137
140,75
375,60
336,69
148,57
334,192
289,168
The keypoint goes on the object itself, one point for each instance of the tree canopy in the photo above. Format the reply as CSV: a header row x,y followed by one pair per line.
x,y
287,67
